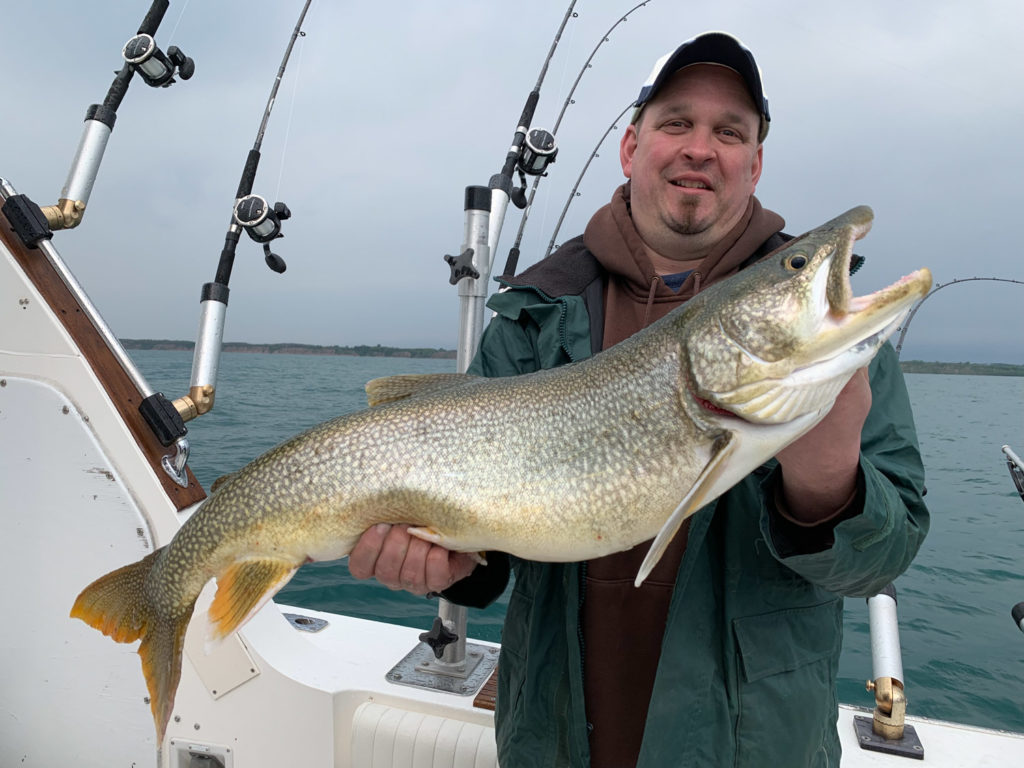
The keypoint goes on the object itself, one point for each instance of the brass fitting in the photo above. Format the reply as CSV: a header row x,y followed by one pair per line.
x,y
198,401
65,215
890,708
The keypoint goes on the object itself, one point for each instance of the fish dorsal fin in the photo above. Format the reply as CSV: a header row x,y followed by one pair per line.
x,y
220,481
243,588
697,497
387,389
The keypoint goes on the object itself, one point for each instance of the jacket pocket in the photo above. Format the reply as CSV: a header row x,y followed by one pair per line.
x,y
787,701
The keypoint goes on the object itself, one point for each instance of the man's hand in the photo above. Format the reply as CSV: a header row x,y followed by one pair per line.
x,y
819,471
399,560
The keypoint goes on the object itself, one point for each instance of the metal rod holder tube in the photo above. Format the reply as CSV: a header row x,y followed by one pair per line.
x,y
210,338
455,618
499,205
86,164
473,291
886,658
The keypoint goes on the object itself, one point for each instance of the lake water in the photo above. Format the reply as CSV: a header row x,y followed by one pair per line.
x,y
963,656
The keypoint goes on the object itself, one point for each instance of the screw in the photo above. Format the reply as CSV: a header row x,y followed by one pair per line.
x,y
196,726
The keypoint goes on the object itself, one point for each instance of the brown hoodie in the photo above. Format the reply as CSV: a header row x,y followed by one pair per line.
x,y
623,625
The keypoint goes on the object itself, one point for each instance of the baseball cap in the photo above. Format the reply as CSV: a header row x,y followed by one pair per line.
x,y
709,48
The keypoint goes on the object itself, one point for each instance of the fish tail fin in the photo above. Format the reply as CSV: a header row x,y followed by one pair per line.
x,y
116,605
243,588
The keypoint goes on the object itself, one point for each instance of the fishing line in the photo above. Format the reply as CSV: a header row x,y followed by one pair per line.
x,y
291,114
180,17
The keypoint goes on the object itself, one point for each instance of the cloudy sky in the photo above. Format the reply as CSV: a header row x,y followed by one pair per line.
x,y
388,111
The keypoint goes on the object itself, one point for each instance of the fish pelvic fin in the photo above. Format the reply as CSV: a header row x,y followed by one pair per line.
x,y
698,496
388,389
116,605
243,588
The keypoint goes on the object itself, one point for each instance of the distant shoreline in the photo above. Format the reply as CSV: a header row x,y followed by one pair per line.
x,y
962,369
362,350
170,345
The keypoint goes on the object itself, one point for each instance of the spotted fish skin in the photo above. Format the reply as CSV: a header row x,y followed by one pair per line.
x,y
565,464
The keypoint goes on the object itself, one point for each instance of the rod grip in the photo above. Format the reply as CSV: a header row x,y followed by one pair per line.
x,y
154,16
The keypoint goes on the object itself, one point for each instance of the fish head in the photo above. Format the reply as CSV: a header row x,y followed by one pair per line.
x,y
781,338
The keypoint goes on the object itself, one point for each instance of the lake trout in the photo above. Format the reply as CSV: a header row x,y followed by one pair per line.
x,y
566,464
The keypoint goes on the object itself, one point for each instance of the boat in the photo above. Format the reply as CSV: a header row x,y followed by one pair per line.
x,y
89,484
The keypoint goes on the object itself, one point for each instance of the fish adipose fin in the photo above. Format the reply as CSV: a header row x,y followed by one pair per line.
x,y
699,494
115,604
388,389
244,588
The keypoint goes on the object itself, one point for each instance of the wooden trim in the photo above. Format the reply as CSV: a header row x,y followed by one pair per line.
x,y
487,698
118,385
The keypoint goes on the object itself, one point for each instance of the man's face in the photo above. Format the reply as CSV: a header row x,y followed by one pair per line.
x,y
693,160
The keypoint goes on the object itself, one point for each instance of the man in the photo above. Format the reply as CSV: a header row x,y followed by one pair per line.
x,y
728,653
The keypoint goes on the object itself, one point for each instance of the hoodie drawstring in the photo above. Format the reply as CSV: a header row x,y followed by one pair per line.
x,y
650,300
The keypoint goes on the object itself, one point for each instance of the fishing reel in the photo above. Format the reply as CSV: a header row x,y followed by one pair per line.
x,y
153,65
263,223
538,152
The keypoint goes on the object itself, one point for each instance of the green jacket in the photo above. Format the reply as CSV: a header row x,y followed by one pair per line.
x,y
751,647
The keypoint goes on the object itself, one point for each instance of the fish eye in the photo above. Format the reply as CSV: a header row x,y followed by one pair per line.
x,y
796,262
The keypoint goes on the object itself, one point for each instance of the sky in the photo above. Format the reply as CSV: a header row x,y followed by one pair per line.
x,y
388,111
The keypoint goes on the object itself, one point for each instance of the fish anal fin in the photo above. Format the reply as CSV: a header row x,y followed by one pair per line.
x,y
696,497
388,389
243,588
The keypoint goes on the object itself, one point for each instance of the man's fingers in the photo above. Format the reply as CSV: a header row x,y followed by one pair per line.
x,y
392,557
401,561
362,560
412,577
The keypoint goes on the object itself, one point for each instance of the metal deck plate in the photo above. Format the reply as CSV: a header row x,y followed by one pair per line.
x,y
909,746
421,669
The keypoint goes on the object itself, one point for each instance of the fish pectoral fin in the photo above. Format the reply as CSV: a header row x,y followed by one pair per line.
x,y
388,389
436,537
695,498
243,588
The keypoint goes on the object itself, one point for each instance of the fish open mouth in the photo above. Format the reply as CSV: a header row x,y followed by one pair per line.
x,y
845,339
707,405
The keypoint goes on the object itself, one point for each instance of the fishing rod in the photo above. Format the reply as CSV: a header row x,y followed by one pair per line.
x,y
141,55
513,255
262,222
573,193
531,152
936,289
